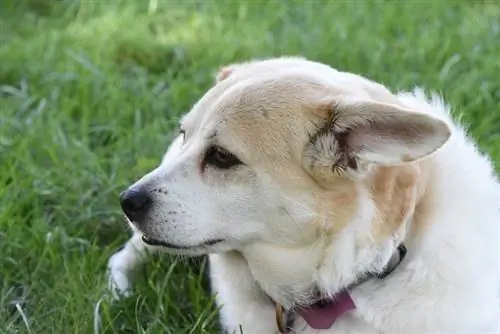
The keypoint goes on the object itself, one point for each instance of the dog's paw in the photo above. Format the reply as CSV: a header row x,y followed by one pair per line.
x,y
119,282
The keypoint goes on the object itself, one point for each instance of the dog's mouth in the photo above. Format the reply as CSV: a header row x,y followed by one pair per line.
x,y
154,242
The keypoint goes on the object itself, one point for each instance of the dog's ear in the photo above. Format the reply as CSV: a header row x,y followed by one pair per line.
x,y
360,133
224,72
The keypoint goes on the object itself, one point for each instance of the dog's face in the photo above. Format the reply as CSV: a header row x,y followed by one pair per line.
x,y
277,152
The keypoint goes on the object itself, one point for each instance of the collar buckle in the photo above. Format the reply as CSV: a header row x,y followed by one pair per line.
x,y
284,319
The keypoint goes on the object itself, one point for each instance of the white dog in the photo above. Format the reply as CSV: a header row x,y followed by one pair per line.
x,y
327,204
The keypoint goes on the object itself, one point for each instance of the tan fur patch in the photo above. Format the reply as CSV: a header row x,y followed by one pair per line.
x,y
394,192
338,206
425,200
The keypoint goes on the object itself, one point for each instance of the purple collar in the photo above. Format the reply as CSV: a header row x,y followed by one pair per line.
x,y
324,313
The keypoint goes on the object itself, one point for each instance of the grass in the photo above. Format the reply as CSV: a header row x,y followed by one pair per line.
x,y
90,94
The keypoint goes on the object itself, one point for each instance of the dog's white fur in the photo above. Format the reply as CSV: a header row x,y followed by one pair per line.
x,y
298,214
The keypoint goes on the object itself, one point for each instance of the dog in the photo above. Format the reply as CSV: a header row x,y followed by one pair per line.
x,y
326,204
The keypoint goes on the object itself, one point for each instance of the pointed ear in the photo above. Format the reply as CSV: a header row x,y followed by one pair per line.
x,y
225,71
361,132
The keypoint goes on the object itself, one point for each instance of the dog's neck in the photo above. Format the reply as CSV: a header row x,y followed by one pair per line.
x,y
282,273
293,276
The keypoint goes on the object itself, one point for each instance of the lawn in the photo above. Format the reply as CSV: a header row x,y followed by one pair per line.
x,y
90,95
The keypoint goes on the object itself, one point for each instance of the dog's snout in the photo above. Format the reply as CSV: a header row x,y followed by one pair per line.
x,y
135,202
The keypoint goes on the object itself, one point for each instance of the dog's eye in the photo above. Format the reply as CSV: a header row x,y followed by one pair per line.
x,y
221,158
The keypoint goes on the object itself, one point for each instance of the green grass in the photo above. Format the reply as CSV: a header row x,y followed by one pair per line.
x,y
90,95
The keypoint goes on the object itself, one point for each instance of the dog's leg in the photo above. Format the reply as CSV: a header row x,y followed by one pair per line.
x,y
122,264
243,306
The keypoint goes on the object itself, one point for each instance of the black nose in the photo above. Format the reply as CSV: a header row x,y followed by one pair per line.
x,y
135,203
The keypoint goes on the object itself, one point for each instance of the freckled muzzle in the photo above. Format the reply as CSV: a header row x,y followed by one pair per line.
x,y
137,204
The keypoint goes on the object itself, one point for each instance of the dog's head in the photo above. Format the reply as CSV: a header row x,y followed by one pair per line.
x,y
281,151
